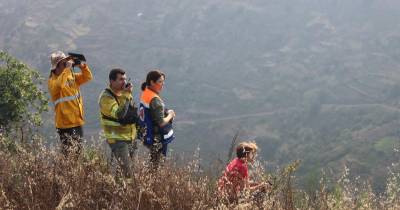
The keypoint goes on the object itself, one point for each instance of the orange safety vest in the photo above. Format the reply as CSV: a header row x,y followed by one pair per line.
x,y
66,97
147,96
146,121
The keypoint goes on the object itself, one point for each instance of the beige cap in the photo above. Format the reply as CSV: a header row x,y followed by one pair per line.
x,y
55,58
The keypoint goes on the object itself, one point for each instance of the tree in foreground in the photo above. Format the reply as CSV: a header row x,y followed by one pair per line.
x,y
21,98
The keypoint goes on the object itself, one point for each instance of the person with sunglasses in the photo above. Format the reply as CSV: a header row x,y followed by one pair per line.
x,y
235,178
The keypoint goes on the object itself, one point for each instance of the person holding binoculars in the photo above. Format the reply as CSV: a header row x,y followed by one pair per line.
x,y
64,88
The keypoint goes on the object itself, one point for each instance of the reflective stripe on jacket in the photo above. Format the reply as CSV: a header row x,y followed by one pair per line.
x,y
66,97
115,131
146,121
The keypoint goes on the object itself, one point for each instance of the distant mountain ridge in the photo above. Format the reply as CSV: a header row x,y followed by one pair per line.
x,y
328,72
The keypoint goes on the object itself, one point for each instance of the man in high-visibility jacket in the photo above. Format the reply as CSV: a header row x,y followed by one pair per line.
x,y
118,116
64,87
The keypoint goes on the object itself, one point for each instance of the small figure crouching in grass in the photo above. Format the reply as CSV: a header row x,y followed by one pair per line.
x,y
235,179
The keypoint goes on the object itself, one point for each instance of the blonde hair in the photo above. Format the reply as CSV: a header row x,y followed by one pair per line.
x,y
243,148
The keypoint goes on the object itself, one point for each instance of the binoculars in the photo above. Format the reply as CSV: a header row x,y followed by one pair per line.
x,y
77,58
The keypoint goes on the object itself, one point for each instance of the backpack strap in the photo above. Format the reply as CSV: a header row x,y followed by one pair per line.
x,y
115,97
124,120
112,94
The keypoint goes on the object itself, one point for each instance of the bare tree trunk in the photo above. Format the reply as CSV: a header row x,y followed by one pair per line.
x,y
21,129
232,147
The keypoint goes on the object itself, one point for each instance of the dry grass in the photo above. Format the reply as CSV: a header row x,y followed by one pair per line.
x,y
35,177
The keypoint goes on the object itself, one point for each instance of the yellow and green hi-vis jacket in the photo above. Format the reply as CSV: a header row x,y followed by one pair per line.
x,y
109,107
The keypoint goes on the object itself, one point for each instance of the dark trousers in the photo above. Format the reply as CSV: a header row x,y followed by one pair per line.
x,y
71,140
120,152
157,152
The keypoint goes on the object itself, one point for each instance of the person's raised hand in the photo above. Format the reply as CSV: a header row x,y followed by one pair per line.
x,y
128,87
82,65
172,113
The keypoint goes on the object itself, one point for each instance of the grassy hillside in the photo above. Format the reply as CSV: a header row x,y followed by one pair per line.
x,y
36,177
309,80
